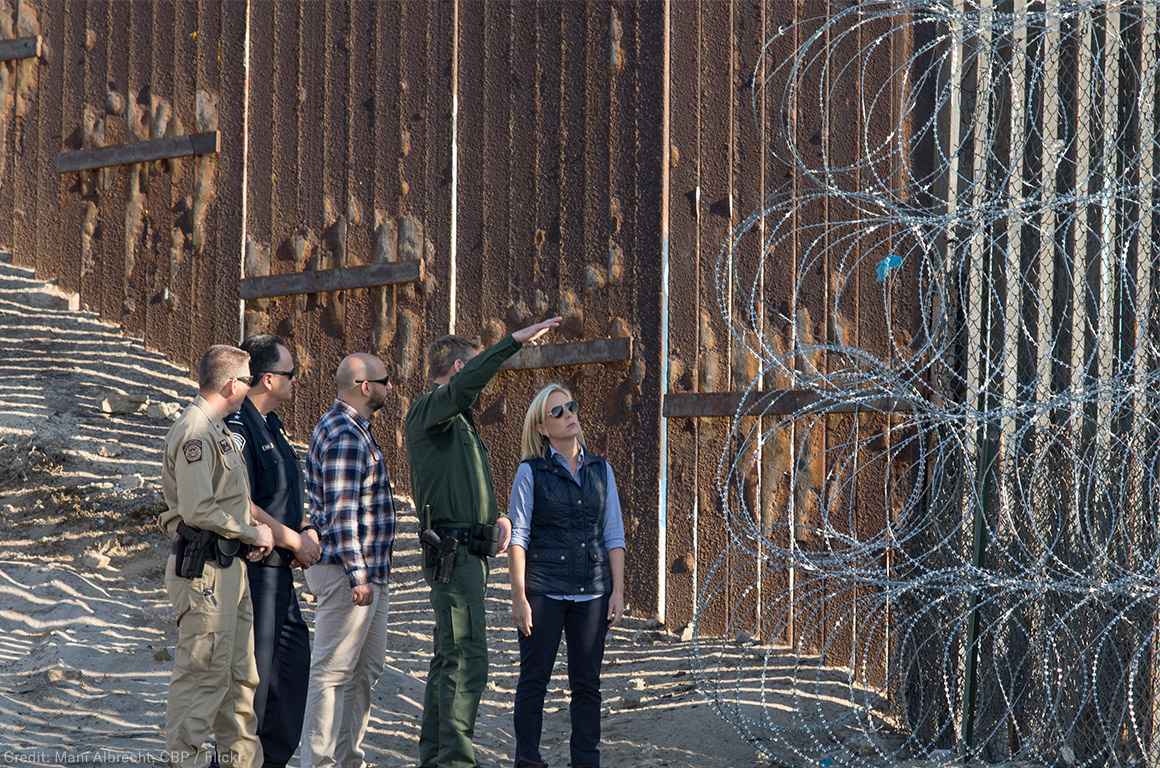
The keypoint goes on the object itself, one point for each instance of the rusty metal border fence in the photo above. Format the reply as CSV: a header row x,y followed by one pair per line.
x,y
370,176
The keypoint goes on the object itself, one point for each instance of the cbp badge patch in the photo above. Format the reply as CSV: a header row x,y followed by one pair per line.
x,y
192,451
239,441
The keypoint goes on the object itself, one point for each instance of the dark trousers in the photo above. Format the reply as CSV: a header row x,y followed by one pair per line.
x,y
282,650
585,624
457,676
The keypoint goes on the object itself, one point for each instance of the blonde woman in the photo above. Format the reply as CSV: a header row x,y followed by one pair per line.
x,y
567,571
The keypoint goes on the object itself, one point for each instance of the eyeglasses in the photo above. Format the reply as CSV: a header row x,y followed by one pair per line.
x,y
384,381
247,380
288,374
572,406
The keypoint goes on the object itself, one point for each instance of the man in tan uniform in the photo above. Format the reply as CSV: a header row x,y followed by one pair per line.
x,y
207,493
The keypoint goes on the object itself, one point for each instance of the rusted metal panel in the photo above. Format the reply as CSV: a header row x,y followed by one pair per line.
x,y
48,210
206,174
8,169
183,189
473,247
500,276
436,148
642,294
25,145
139,120
258,258
747,194
840,147
114,182
90,122
226,220
515,297
279,27
821,623
359,193
317,384
333,37
161,236
521,267
426,188
386,304
417,190
713,367
492,276
488,270
71,55
874,337
686,253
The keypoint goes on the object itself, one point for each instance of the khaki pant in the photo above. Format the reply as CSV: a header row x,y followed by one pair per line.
x,y
211,692
346,661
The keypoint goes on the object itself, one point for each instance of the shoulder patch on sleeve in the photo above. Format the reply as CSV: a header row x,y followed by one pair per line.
x,y
239,441
192,450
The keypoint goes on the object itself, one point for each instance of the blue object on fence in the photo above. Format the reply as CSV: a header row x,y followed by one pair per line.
x,y
888,265
826,762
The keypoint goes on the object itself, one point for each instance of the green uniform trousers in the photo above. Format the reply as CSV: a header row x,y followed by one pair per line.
x,y
458,671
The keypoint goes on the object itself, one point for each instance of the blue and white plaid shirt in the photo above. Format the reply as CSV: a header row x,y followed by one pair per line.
x,y
349,490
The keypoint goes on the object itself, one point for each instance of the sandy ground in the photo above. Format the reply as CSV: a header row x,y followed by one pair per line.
x,y
86,636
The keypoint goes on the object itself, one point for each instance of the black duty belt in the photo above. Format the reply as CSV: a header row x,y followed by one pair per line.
x,y
462,535
194,547
278,558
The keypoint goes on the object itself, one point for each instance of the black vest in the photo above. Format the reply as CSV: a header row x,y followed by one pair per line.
x,y
566,554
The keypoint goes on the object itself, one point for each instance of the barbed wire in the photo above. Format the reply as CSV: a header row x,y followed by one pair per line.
x,y
940,488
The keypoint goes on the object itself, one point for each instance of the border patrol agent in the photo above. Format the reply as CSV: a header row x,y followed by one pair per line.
x,y
207,495
455,500
281,638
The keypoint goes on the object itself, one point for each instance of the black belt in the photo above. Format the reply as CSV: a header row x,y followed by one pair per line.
x,y
278,558
462,535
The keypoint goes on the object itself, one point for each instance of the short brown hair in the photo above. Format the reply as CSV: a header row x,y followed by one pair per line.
x,y
444,351
218,365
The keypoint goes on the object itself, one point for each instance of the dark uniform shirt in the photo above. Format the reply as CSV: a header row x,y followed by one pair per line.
x,y
449,462
272,465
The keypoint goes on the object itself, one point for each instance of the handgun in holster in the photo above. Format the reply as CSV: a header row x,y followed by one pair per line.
x,y
192,550
439,554
438,551
196,547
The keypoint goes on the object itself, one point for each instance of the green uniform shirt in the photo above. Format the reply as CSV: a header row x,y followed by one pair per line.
x,y
449,462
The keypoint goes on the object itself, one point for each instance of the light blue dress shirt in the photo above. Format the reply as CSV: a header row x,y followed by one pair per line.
x,y
523,496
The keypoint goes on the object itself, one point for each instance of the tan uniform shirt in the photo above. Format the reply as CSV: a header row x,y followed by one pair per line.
x,y
203,477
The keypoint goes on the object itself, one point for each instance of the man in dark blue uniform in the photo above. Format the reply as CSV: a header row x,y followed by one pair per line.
x,y
281,639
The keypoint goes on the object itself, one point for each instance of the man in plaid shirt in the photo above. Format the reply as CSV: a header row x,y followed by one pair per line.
x,y
351,506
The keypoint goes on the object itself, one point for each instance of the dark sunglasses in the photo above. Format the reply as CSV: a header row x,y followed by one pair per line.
x,y
558,410
247,380
290,374
384,381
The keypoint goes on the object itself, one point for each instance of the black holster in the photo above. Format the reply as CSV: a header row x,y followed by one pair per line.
x,y
439,555
195,547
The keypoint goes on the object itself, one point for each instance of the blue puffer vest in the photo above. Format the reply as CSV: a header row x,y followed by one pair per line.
x,y
566,554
